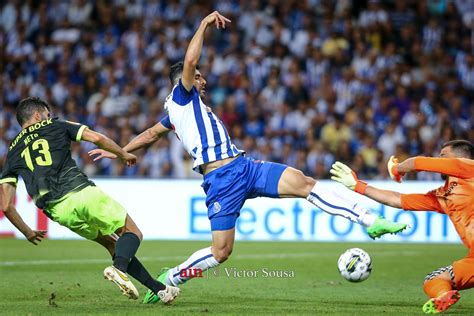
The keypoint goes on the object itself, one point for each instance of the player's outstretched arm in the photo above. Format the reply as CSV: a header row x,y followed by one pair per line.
x,y
193,53
409,202
344,175
457,167
8,193
145,139
109,145
148,137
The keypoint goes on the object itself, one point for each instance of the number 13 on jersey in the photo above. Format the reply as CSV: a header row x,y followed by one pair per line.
x,y
42,147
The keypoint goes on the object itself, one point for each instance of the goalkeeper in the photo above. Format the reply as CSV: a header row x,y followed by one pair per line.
x,y
455,199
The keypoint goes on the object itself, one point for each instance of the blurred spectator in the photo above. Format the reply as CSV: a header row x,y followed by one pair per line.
x,y
389,140
333,134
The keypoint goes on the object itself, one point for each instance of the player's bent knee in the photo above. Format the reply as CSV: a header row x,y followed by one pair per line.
x,y
300,185
222,254
309,184
139,234
134,231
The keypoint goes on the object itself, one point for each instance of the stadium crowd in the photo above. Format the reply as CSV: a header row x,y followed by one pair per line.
x,y
304,83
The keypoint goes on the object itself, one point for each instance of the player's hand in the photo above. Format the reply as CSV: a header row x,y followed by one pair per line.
x,y
129,159
100,153
218,19
392,166
36,236
344,175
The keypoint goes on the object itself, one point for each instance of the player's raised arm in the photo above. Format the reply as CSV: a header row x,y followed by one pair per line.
x,y
456,160
109,145
457,167
8,192
145,139
193,53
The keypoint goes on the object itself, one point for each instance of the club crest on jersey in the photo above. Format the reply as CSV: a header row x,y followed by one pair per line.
x,y
216,207
450,188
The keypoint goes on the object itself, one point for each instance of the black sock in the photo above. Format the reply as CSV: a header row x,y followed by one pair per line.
x,y
138,271
125,249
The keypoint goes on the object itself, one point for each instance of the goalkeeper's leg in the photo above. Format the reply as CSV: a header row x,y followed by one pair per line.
x,y
442,285
293,183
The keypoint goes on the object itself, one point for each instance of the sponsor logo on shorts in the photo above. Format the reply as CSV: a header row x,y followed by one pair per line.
x,y
217,207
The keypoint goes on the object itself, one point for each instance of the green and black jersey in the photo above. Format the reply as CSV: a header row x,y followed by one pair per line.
x,y
41,155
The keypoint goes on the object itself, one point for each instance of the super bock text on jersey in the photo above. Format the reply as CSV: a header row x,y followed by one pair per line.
x,y
41,155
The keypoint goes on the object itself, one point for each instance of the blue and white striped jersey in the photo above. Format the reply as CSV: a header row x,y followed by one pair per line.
x,y
203,135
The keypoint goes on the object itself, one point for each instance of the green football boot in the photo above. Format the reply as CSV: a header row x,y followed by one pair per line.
x,y
441,303
152,298
384,226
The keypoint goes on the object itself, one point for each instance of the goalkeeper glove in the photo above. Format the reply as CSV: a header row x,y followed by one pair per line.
x,y
393,170
343,174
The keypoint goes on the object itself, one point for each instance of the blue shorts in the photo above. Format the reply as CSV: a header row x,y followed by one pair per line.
x,y
229,186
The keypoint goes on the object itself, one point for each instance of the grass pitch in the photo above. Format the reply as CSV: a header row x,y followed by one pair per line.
x,y
65,277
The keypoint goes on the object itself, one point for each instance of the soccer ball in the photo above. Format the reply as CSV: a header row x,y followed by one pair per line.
x,y
355,265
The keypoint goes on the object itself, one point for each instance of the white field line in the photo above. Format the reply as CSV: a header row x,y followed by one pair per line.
x,y
177,258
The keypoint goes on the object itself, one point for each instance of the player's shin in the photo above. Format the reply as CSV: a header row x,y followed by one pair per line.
x,y
138,271
194,266
435,287
336,204
125,249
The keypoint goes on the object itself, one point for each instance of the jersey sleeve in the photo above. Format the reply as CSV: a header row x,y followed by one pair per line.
x,y
72,129
166,122
421,202
182,96
8,174
456,167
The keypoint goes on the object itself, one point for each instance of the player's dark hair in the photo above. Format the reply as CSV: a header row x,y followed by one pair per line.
x,y
27,107
464,147
176,71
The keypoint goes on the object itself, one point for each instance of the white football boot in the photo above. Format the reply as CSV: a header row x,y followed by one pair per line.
x,y
122,281
169,294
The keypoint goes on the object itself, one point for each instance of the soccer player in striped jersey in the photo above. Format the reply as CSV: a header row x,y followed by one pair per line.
x,y
455,199
229,176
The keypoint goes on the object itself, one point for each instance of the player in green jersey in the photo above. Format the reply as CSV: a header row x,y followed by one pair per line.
x,y
41,155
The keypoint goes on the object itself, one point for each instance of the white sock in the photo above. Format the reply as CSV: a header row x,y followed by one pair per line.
x,y
195,265
336,204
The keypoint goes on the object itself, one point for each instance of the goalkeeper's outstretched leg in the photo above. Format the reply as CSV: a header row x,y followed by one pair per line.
x,y
443,285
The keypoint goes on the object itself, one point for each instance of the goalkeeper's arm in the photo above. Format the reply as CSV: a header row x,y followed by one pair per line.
x,y
387,197
343,174
413,202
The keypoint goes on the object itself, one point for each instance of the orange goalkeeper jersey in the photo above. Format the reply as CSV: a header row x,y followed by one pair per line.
x,y
455,198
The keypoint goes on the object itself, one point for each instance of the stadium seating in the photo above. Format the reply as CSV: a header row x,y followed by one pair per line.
x,y
298,82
